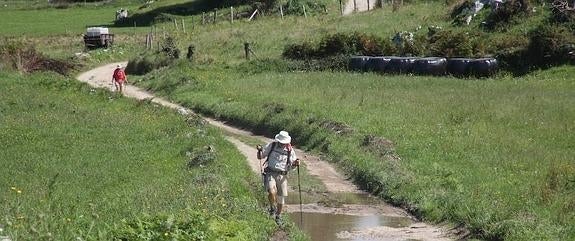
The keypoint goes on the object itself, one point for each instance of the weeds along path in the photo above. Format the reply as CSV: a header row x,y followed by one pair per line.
x,y
334,182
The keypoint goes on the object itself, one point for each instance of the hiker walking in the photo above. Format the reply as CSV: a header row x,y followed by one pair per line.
x,y
119,78
280,158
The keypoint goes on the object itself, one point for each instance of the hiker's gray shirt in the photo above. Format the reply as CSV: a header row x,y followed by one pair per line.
x,y
278,157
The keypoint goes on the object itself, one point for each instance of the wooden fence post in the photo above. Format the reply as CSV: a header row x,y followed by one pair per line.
x,y
232,14
304,13
340,7
355,5
176,24
183,25
368,5
215,15
247,50
282,11
203,18
147,40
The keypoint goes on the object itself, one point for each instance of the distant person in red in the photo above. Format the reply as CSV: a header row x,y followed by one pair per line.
x,y
119,79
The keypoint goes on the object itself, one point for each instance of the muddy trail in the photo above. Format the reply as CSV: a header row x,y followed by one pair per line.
x,y
336,211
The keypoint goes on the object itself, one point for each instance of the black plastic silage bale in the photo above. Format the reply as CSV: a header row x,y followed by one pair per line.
x,y
378,63
358,63
430,66
483,67
400,65
459,66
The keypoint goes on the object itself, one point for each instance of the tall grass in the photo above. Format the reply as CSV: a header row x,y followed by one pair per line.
x,y
79,163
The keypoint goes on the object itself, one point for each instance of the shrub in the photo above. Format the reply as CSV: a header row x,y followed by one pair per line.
x,y
170,49
449,43
551,45
295,7
507,14
299,51
336,45
145,63
409,44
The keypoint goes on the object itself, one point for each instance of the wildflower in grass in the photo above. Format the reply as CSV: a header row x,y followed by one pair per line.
x,y
18,191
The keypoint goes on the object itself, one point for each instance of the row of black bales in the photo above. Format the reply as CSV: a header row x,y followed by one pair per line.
x,y
438,66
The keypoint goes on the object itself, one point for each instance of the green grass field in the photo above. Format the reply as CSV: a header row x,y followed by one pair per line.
x,y
484,152
493,155
79,163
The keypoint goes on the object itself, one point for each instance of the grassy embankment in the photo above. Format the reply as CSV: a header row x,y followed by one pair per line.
x,y
495,155
79,163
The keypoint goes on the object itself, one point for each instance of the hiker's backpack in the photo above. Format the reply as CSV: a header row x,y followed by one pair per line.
x,y
119,74
288,154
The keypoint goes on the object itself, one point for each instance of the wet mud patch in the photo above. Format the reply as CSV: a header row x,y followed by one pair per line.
x,y
328,226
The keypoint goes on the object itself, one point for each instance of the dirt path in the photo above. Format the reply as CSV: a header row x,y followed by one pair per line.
x,y
335,182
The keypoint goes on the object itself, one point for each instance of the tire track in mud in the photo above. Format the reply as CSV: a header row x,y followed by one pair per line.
x,y
334,182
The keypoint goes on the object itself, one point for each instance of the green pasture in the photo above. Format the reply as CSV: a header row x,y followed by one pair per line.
x,y
85,164
482,152
492,155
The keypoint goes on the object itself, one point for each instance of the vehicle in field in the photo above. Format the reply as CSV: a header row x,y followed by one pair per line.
x,y
98,37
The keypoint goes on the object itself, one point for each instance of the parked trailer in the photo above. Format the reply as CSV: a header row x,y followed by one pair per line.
x,y
98,37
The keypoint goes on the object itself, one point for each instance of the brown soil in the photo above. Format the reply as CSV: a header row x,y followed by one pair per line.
x,y
324,171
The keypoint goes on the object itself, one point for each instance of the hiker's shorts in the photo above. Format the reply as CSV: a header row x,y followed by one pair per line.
x,y
276,182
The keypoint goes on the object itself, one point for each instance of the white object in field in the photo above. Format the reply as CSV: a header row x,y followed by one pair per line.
x,y
96,31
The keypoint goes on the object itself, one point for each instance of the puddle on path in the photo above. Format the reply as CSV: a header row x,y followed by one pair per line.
x,y
324,226
327,214
333,199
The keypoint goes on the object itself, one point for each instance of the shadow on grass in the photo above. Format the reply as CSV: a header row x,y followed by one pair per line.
x,y
166,13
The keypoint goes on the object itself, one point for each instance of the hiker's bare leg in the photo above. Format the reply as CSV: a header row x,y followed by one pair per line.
x,y
272,199
280,206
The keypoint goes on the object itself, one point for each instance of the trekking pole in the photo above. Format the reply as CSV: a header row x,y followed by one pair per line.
x,y
259,148
300,204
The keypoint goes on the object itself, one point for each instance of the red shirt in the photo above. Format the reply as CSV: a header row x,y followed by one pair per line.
x,y
119,75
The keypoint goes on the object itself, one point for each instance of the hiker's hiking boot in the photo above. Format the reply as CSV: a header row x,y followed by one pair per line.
x,y
278,220
272,211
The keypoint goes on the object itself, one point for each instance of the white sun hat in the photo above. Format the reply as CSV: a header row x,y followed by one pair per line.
x,y
283,137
